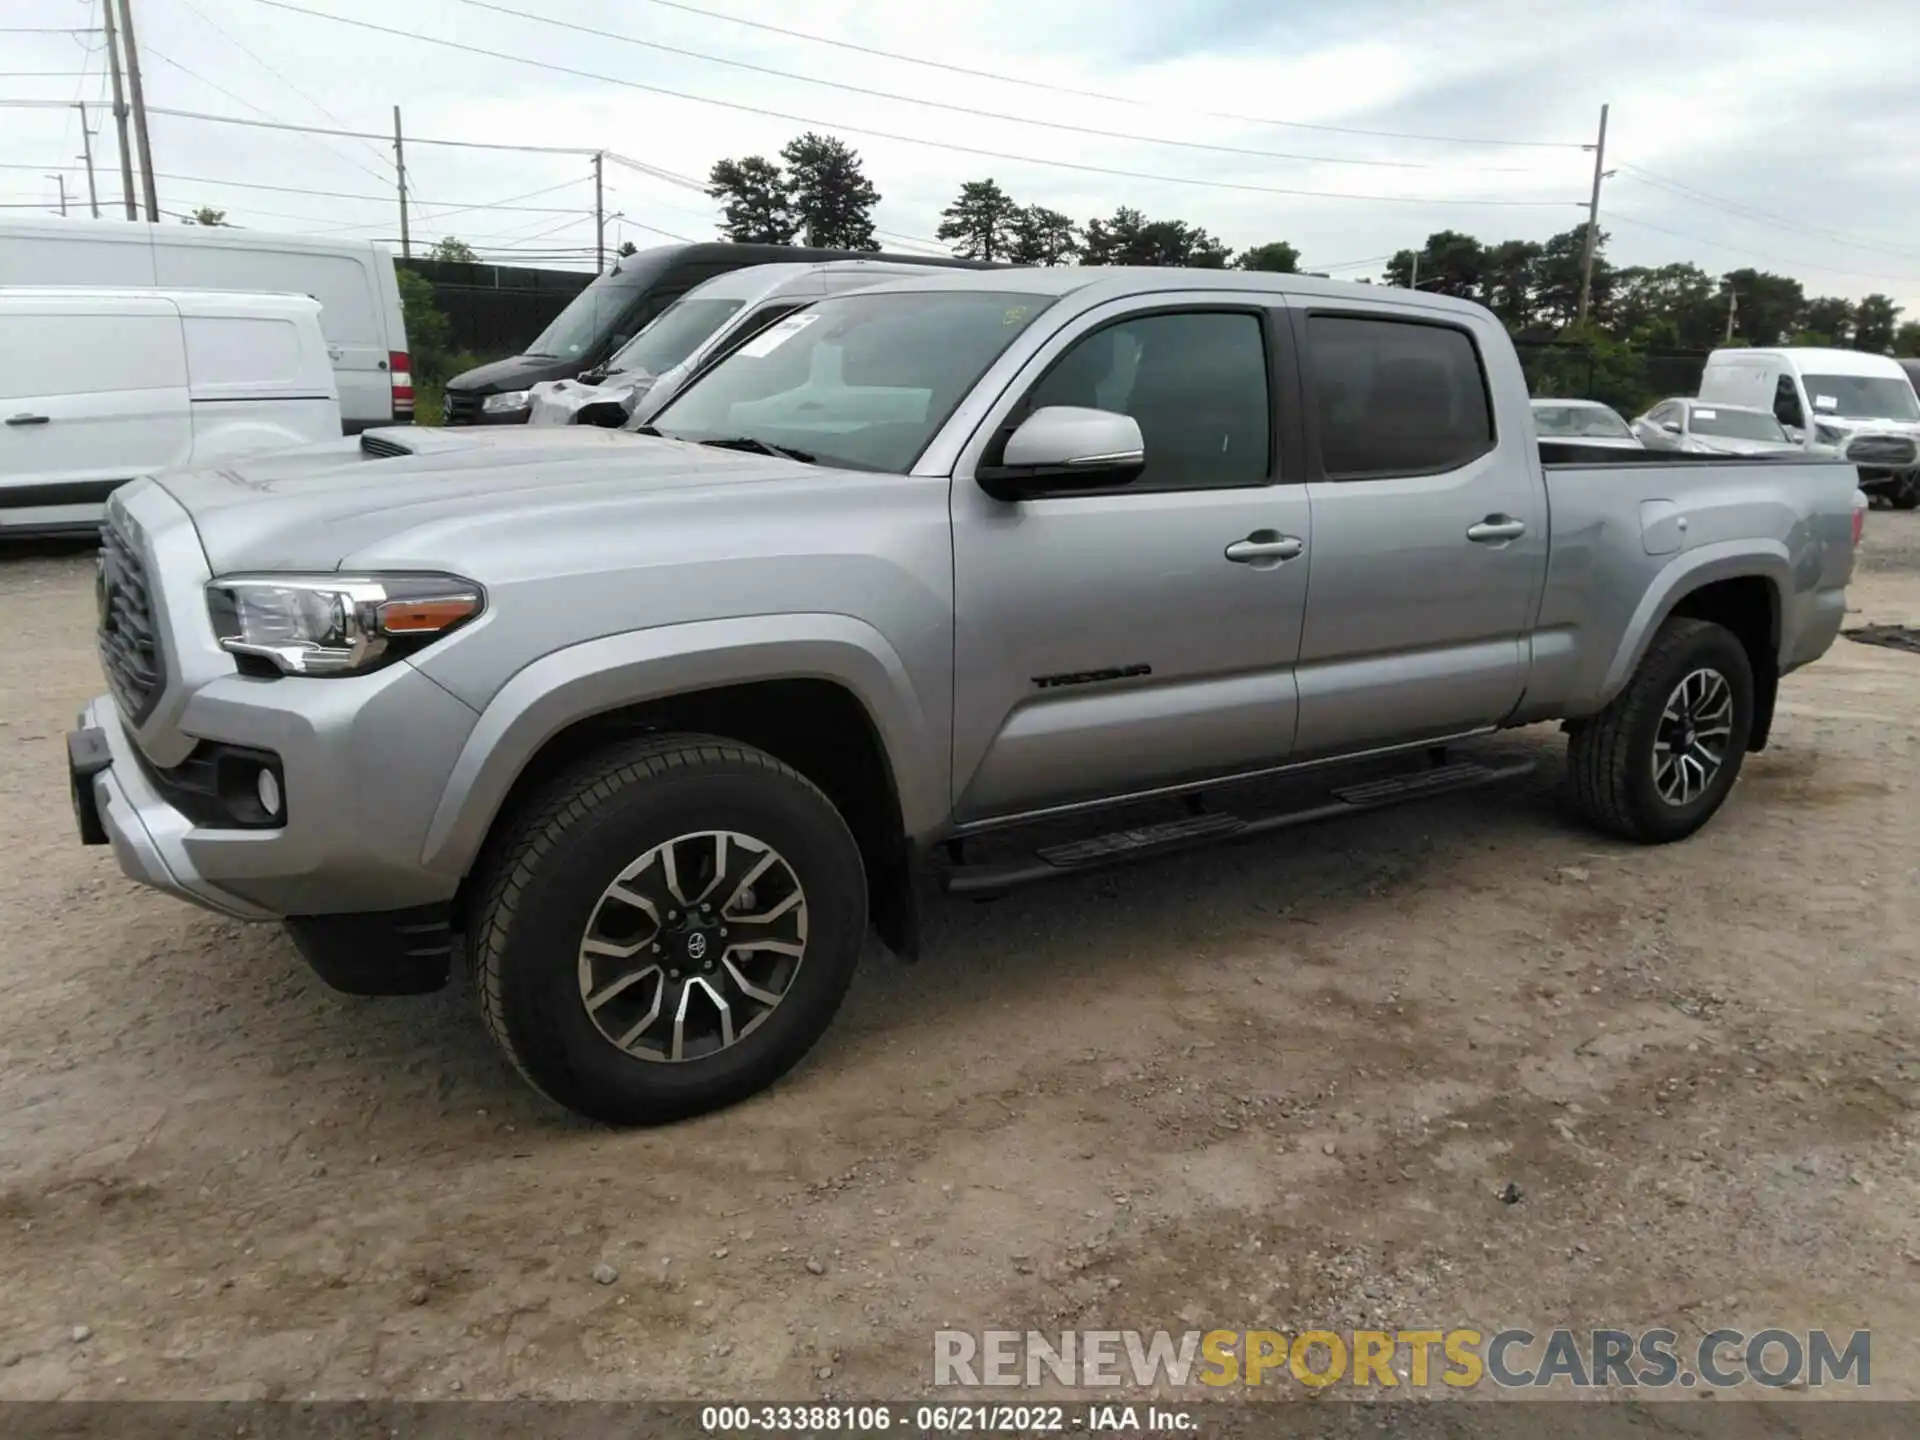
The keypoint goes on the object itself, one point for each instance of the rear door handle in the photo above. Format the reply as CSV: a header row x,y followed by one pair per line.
x,y
1267,545
27,419
1495,528
334,352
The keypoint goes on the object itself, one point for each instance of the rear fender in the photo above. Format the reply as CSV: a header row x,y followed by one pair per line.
x,y
1690,571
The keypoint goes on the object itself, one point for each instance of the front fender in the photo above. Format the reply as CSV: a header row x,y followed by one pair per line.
x,y
1687,572
615,671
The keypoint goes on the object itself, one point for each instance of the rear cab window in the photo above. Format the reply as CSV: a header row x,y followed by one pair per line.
x,y
1395,397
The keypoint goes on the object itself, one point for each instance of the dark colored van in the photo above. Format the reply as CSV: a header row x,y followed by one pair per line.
x,y
614,308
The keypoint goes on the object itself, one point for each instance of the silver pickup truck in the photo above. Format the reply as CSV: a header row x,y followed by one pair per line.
x,y
652,727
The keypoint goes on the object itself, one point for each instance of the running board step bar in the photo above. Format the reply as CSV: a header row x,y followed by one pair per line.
x,y
1211,827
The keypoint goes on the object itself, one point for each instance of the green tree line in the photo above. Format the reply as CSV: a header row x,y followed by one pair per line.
x,y
818,194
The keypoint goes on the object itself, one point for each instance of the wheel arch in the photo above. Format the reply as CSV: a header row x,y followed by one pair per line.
x,y
826,694
1734,586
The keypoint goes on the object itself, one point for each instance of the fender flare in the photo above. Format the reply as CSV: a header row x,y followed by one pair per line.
x,y
633,667
1689,571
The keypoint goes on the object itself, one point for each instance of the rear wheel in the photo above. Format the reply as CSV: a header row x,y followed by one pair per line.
x,y
668,930
1905,495
1657,763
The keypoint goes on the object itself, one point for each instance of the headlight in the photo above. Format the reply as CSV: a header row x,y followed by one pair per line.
x,y
507,402
336,624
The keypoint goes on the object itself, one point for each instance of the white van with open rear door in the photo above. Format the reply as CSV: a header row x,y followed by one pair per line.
x,y
366,335
1832,402
98,387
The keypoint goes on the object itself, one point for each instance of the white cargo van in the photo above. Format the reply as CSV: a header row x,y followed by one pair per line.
x,y
100,386
353,280
1843,402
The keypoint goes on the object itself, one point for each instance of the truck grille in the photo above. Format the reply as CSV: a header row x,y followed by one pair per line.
x,y
1895,450
462,408
129,640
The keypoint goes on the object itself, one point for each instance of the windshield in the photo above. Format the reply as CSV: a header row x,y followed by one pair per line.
x,y
1736,424
1584,420
861,381
576,330
1862,397
678,332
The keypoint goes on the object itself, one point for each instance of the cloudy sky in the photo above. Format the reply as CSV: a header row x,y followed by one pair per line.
x,y
1742,132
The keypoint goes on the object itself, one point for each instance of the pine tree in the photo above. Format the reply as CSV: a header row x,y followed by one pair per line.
x,y
756,201
832,198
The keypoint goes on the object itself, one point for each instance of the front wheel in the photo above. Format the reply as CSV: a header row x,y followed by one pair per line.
x,y
668,930
1657,763
1905,494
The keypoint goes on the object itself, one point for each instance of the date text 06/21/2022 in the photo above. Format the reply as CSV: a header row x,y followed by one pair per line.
x,y
944,1418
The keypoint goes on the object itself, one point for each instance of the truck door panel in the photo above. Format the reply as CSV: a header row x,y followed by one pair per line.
x,y
1429,534
1106,642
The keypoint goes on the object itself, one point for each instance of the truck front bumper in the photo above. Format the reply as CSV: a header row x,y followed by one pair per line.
x,y
114,803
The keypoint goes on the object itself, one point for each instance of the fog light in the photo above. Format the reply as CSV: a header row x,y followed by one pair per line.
x,y
268,788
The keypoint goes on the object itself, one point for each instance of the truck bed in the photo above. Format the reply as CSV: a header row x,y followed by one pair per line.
x,y
1631,531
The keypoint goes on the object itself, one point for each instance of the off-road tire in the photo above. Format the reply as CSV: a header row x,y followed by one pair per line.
x,y
546,872
1610,757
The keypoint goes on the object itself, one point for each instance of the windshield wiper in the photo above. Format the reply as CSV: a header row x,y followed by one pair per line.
x,y
760,447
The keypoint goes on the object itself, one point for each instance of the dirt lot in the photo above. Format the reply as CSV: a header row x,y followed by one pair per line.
x,y
1276,1085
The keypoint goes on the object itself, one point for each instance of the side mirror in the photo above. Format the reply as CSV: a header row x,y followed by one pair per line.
x,y
1672,427
1066,447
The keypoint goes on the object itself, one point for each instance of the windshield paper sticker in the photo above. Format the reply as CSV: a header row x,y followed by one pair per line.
x,y
1705,414
1825,402
776,335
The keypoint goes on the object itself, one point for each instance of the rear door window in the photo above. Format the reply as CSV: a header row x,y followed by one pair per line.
x,y
1395,397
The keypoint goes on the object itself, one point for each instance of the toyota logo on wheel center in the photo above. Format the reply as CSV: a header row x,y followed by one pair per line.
x,y
696,946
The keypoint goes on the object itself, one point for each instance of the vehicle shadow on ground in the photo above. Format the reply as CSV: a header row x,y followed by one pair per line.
x,y
429,1057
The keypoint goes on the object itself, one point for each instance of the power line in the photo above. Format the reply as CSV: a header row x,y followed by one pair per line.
x,y
890,135
1768,259
215,85
343,195
318,129
1734,207
253,55
951,108
1098,95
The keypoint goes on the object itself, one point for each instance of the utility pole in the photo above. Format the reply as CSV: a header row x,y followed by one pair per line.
x,y
400,167
1413,279
1593,219
1733,310
139,112
62,181
86,154
119,112
599,214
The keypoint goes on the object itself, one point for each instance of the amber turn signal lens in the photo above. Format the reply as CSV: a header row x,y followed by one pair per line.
x,y
427,617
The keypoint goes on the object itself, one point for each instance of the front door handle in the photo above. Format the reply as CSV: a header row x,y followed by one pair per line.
x,y
1496,528
1265,545
27,419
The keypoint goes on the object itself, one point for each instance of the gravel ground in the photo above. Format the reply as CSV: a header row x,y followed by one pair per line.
x,y
1278,1085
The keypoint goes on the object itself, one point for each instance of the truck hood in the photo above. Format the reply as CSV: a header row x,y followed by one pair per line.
x,y
314,507
516,372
